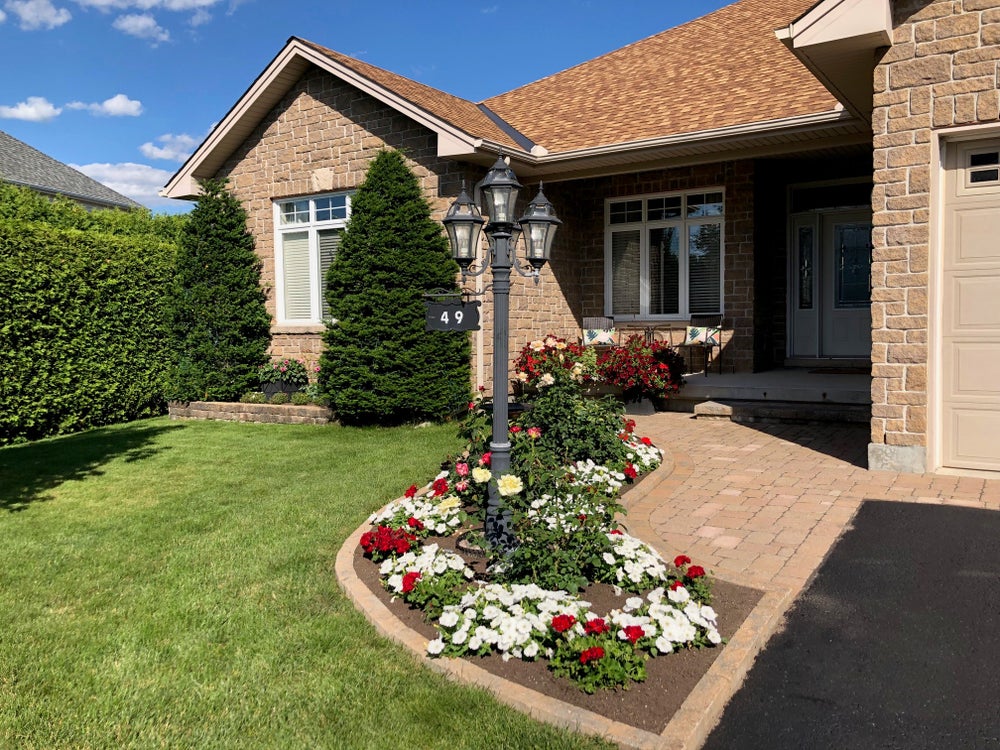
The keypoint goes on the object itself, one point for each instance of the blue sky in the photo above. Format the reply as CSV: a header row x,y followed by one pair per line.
x,y
124,90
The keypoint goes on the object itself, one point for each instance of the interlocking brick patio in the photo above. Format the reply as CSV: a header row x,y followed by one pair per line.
x,y
762,504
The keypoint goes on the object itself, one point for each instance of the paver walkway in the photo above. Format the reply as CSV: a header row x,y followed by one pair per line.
x,y
762,504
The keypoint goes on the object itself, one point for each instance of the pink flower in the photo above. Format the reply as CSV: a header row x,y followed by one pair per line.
x,y
461,486
485,459
462,469
534,432
515,429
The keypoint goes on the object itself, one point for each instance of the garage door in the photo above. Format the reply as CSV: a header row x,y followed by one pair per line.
x,y
970,330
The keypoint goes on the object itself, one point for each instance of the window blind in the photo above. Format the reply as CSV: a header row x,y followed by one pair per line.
x,y
296,287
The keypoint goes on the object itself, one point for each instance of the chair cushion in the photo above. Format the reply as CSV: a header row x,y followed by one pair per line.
x,y
599,336
707,336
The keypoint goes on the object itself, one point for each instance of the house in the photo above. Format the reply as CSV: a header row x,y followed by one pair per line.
x,y
20,164
822,174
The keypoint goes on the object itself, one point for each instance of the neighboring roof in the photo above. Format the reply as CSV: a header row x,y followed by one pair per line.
x,y
21,164
718,87
723,69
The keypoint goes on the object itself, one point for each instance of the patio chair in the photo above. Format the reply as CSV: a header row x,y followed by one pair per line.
x,y
599,331
704,334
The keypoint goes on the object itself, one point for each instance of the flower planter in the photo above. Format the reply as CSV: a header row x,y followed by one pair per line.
x,y
279,386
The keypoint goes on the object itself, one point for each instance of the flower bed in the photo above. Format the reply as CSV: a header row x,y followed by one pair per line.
x,y
571,459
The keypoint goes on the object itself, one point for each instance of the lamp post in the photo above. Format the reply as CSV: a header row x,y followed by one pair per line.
x,y
538,226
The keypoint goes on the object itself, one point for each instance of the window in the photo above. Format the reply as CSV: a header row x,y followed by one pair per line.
x,y
307,233
663,255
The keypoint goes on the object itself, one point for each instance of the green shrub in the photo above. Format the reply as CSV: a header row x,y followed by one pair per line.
x,y
217,313
279,398
253,397
82,317
300,398
380,365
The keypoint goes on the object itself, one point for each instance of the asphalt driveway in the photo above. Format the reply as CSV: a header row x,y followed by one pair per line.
x,y
894,644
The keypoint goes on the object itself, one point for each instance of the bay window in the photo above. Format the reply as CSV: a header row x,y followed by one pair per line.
x,y
307,234
663,255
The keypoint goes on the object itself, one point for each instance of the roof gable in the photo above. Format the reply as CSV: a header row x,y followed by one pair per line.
x,y
21,164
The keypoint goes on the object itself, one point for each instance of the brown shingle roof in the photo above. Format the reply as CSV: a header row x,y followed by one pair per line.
x,y
461,113
723,69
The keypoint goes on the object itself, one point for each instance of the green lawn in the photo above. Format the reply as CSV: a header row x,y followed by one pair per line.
x,y
169,584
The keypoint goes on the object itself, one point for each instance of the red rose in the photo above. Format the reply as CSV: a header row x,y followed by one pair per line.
x,y
410,580
515,429
414,523
633,633
630,471
695,571
440,487
646,441
486,458
591,654
562,623
595,626
412,491
681,560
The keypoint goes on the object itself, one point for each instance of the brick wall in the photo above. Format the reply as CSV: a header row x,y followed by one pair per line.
x,y
941,71
582,209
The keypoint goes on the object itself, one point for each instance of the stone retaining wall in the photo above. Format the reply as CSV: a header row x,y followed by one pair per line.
x,y
238,412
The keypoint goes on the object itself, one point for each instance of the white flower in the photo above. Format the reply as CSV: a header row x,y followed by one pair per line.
x,y
714,637
608,558
663,645
537,346
435,647
449,619
481,475
546,379
508,484
678,595
633,603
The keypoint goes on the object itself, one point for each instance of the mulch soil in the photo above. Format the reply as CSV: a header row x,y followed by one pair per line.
x,y
647,705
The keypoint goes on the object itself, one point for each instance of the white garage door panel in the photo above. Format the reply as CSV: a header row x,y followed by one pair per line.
x,y
976,437
976,235
976,302
969,335
975,371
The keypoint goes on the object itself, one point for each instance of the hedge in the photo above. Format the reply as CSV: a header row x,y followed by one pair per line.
x,y
83,336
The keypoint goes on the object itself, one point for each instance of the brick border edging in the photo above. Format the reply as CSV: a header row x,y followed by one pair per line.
x,y
235,411
694,720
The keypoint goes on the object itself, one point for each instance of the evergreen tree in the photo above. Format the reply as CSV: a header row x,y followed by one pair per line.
x,y
220,326
380,365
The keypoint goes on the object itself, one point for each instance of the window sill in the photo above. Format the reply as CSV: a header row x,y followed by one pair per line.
x,y
298,328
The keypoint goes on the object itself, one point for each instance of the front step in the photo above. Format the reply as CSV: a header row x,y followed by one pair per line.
x,y
797,412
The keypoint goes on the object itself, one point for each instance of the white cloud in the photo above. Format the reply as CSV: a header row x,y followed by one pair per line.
x,y
140,182
200,17
117,106
143,26
3,16
38,14
34,109
175,5
175,147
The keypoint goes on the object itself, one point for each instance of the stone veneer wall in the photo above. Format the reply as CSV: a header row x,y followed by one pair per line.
x,y
941,71
320,138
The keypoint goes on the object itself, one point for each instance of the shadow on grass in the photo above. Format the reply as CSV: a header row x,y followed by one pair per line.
x,y
28,473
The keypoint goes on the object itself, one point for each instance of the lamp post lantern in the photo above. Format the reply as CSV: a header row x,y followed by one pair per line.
x,y
538,226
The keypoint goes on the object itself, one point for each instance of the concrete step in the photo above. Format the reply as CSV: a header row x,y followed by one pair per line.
x,y
798,412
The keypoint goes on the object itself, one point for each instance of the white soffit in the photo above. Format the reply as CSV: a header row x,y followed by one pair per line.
x,y
837,41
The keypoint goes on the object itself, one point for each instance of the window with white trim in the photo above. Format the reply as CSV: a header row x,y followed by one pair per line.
x,y
307,234
663,255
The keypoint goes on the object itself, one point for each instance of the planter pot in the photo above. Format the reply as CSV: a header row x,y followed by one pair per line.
x,y
279,386
600,390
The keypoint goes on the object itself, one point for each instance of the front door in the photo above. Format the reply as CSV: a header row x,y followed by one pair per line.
x,y
830,315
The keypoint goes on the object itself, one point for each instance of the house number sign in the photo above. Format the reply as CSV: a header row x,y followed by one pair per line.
x,y
452,316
